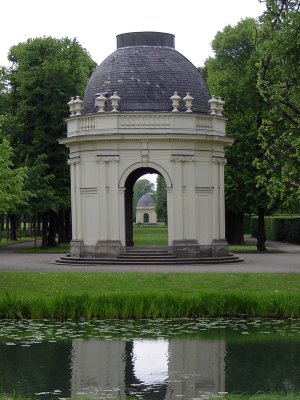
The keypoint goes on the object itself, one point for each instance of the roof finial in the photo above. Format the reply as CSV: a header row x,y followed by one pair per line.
x,y
175,102
115,102
188,99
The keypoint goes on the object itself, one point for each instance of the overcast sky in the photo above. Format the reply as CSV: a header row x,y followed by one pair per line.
x,y
96,23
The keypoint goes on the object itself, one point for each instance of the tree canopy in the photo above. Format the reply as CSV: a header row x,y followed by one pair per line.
x,y
161,199
279,85
12,180
256,69
232,74
44,74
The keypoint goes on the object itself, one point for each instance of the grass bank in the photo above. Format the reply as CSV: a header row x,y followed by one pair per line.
x,y
133,295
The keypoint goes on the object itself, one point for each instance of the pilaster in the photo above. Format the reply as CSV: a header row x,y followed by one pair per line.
x,y
220,162
102,198
177,215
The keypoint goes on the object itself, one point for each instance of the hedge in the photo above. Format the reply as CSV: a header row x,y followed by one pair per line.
x,y
281,228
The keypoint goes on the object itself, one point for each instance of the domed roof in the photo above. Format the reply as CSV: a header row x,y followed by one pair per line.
x,y
146,201
145,71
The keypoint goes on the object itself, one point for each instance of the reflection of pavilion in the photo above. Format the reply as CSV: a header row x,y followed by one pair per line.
x,y
152,369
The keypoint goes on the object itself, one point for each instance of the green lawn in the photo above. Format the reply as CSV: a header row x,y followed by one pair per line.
x,y
139,295
151,235
5,242
31,284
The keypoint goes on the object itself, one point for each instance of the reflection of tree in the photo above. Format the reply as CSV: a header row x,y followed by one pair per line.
x,y
42,368
264,366
135,387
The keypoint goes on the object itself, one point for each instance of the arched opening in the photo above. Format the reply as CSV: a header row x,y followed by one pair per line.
x,y
129,193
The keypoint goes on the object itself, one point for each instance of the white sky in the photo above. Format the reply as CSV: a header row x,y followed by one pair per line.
x,y
96,23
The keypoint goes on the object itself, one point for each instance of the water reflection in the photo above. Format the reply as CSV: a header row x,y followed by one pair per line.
x,y
238,358
150,359
154,369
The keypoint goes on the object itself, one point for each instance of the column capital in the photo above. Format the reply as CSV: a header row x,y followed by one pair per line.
x,y
73,161
219,160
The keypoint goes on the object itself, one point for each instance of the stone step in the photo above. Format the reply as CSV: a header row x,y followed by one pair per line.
x,y
146,257
147,261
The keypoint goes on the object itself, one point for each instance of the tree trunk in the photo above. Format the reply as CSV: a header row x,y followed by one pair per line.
x,y
261,236
234,227
45,220
38,225
52,229
61,227
12,227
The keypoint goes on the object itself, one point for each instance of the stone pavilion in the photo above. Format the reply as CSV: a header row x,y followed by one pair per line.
x,y
146,109
145,210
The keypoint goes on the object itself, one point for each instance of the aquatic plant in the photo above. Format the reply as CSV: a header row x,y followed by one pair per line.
x,y
151,305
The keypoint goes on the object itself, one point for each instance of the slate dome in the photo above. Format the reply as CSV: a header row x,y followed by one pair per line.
x,y
146,201
145,71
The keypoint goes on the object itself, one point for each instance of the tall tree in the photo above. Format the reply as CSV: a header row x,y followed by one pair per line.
x,y
279,85
232,74
161,199
12,179
44,74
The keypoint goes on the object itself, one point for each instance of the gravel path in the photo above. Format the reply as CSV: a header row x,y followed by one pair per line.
x,y
288,262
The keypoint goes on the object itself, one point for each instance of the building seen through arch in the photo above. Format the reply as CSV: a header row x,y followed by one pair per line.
x,y
145,210
146,109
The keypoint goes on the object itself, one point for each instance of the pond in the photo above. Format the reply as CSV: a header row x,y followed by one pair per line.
x,y
160,359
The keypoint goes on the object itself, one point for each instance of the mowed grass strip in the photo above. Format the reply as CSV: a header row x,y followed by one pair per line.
x,y
150,235
138,295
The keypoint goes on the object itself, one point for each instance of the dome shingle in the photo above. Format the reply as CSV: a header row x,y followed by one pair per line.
x,y
145,71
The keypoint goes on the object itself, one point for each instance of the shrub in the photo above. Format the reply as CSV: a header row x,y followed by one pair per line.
x,y
281,228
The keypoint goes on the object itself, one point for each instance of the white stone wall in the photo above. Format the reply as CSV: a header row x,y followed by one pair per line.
x,y
140,215
187,150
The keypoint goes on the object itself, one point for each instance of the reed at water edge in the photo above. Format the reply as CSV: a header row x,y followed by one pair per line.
x,y
151,305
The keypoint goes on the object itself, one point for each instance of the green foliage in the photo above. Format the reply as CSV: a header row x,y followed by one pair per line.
x,y
12,194
232,74
141,187
161,199
40,183
44,74
279,85
281,228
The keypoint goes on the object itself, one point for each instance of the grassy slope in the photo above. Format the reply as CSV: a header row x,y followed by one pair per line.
x,y
133,295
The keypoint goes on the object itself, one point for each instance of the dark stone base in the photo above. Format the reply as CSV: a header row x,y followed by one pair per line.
x,y
192,249
76,248
185,248
102,249
220,248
